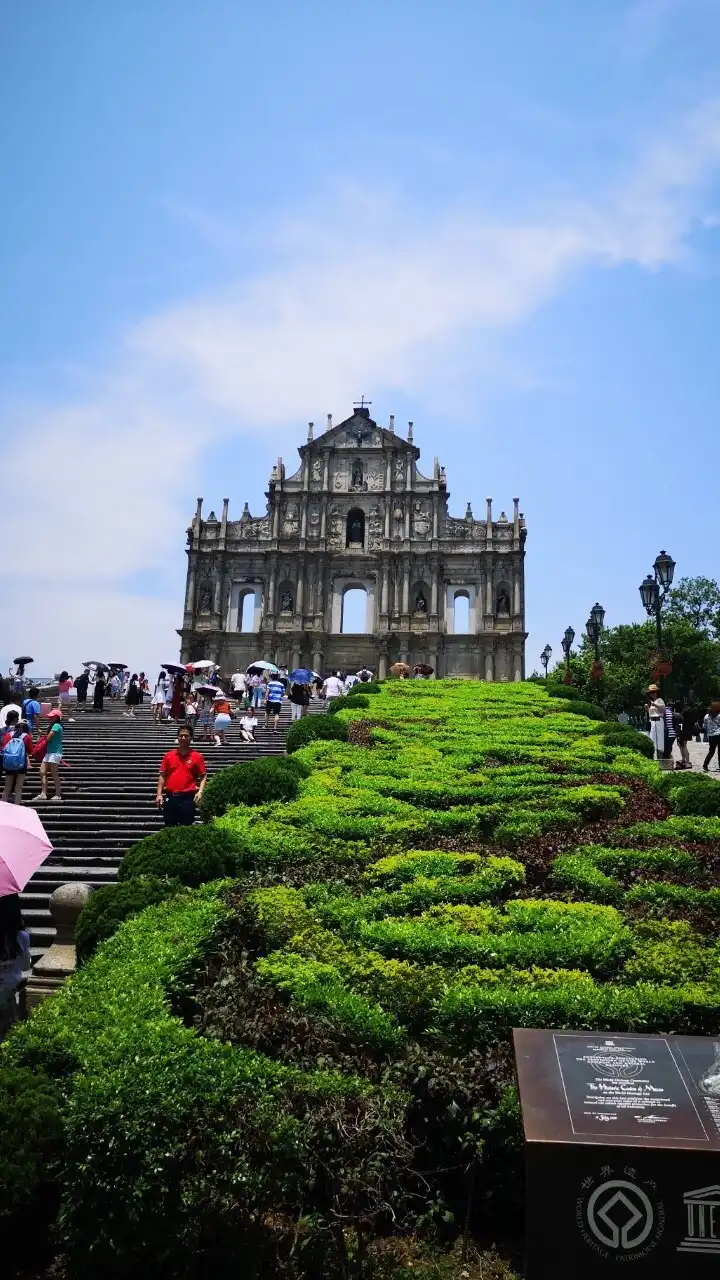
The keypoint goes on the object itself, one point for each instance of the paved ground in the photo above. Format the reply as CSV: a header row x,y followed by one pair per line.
x,y
698,751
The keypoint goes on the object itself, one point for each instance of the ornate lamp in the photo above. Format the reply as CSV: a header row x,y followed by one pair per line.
x,y
567,642
597,613
545,657
664,569
649,594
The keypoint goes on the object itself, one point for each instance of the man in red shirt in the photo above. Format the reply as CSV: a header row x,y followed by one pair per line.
x,y
181,782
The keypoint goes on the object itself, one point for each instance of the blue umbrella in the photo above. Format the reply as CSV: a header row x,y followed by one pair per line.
x,y
302,676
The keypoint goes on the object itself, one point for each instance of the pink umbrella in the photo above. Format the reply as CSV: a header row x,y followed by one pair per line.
x,y
24,845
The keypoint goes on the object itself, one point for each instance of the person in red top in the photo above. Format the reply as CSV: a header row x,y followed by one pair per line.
x,y
181,782
15,761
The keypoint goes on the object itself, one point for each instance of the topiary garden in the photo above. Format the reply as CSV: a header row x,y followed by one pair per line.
x,y
304,1068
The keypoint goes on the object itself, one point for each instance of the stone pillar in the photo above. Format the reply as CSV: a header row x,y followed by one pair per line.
x,y
217,588
270,606
517,664
60,961
300,589
406,589
408,512
385,593
435,520
295,658
326,472
517,609
303,519
489,665
382,666
388,507
489,588
434,592
190,586
276,516
317,660
320,592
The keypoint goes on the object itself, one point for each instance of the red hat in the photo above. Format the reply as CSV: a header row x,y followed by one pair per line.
x,y
55,714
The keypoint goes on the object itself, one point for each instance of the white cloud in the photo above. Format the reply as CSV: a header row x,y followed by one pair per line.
x,y
364,295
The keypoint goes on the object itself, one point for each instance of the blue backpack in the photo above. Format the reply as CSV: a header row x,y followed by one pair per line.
x,y
14,755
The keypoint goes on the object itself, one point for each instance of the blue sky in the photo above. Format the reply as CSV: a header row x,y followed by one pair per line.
x,y
500,220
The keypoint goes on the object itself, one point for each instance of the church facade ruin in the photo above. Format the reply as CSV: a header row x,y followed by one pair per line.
x,y
358,516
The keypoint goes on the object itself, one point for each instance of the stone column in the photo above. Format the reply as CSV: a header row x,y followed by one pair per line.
x,y
435,519
517,663
217,588
190,586
382,666
516,591
317,660
326,472
295,658
434,591
270,606
303,519
276,516
408,513
299,594
489,665
384,601
489,587
320,593
60,961
388,510
406,589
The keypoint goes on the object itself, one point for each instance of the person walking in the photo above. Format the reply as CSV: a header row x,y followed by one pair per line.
x,y
158,699
273,705
52,759
684,725
257,685
711,725
178,690
31,708
65,684
14,958
248,725
238,687
99,694
299,700
191,710
15,745
81,687
132,697
655,708
181,782
332,688
221,708
670,732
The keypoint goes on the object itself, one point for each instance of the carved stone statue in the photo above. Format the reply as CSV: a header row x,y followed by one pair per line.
x,y
286,602
357,475
420,603
317,470
399,470
205,599
503,603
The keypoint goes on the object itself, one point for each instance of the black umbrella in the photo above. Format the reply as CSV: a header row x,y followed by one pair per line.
x,y
101,666
174,666
117,666
21,662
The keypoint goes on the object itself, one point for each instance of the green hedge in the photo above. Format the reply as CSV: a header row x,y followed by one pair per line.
x,y
31,1150
589,709
191,855
701,800
349,700
113,903
309,728
253,782
619,735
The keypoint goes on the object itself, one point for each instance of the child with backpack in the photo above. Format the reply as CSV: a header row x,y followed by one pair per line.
x,y
15,745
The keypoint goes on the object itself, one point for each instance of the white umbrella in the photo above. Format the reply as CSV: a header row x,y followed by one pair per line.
x,y
262,666
204,665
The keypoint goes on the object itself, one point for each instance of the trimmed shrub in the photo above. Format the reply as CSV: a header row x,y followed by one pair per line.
x,y
589,709
254,782
701,800
31,1145
192,855
113,903
312,727
349,700
567,691
618,735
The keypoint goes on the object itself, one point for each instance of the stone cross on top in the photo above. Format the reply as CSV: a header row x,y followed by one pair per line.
x,y
361,403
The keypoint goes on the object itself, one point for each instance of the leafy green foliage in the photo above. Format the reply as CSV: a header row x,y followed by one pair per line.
x,y
348,700
31,1146
311,727
192,855
113,903
697,601
253,782
702,800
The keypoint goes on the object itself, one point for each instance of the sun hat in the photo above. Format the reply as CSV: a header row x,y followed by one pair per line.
x,y
55,714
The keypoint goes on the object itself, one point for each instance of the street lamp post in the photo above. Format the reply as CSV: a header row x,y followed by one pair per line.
x,y
594,627
545,657
567,644
654,590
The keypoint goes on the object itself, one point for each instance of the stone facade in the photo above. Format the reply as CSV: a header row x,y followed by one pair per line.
x,y
357,513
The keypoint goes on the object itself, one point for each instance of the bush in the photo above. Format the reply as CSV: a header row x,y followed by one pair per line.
x,y
567,691
618,735
113,903
192,855
255,782
701,800
589,709
312,727
31,1144
349,700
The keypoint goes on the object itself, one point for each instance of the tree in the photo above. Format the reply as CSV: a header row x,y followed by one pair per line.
x,y
626,652
697,600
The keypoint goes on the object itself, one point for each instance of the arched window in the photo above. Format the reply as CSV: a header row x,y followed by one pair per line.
x,y
461,611
355,528
246,611
354,608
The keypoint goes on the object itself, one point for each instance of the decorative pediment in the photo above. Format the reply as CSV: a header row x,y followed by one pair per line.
x,y
358,432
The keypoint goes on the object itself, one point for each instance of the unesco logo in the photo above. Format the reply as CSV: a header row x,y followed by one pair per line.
x,y
620,1217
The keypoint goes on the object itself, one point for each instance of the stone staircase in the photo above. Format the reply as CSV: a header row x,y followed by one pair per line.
x,y
108,794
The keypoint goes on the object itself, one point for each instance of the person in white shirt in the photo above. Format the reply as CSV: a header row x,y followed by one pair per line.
x,y
655,708
350,681
248,725
332,688
238,685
